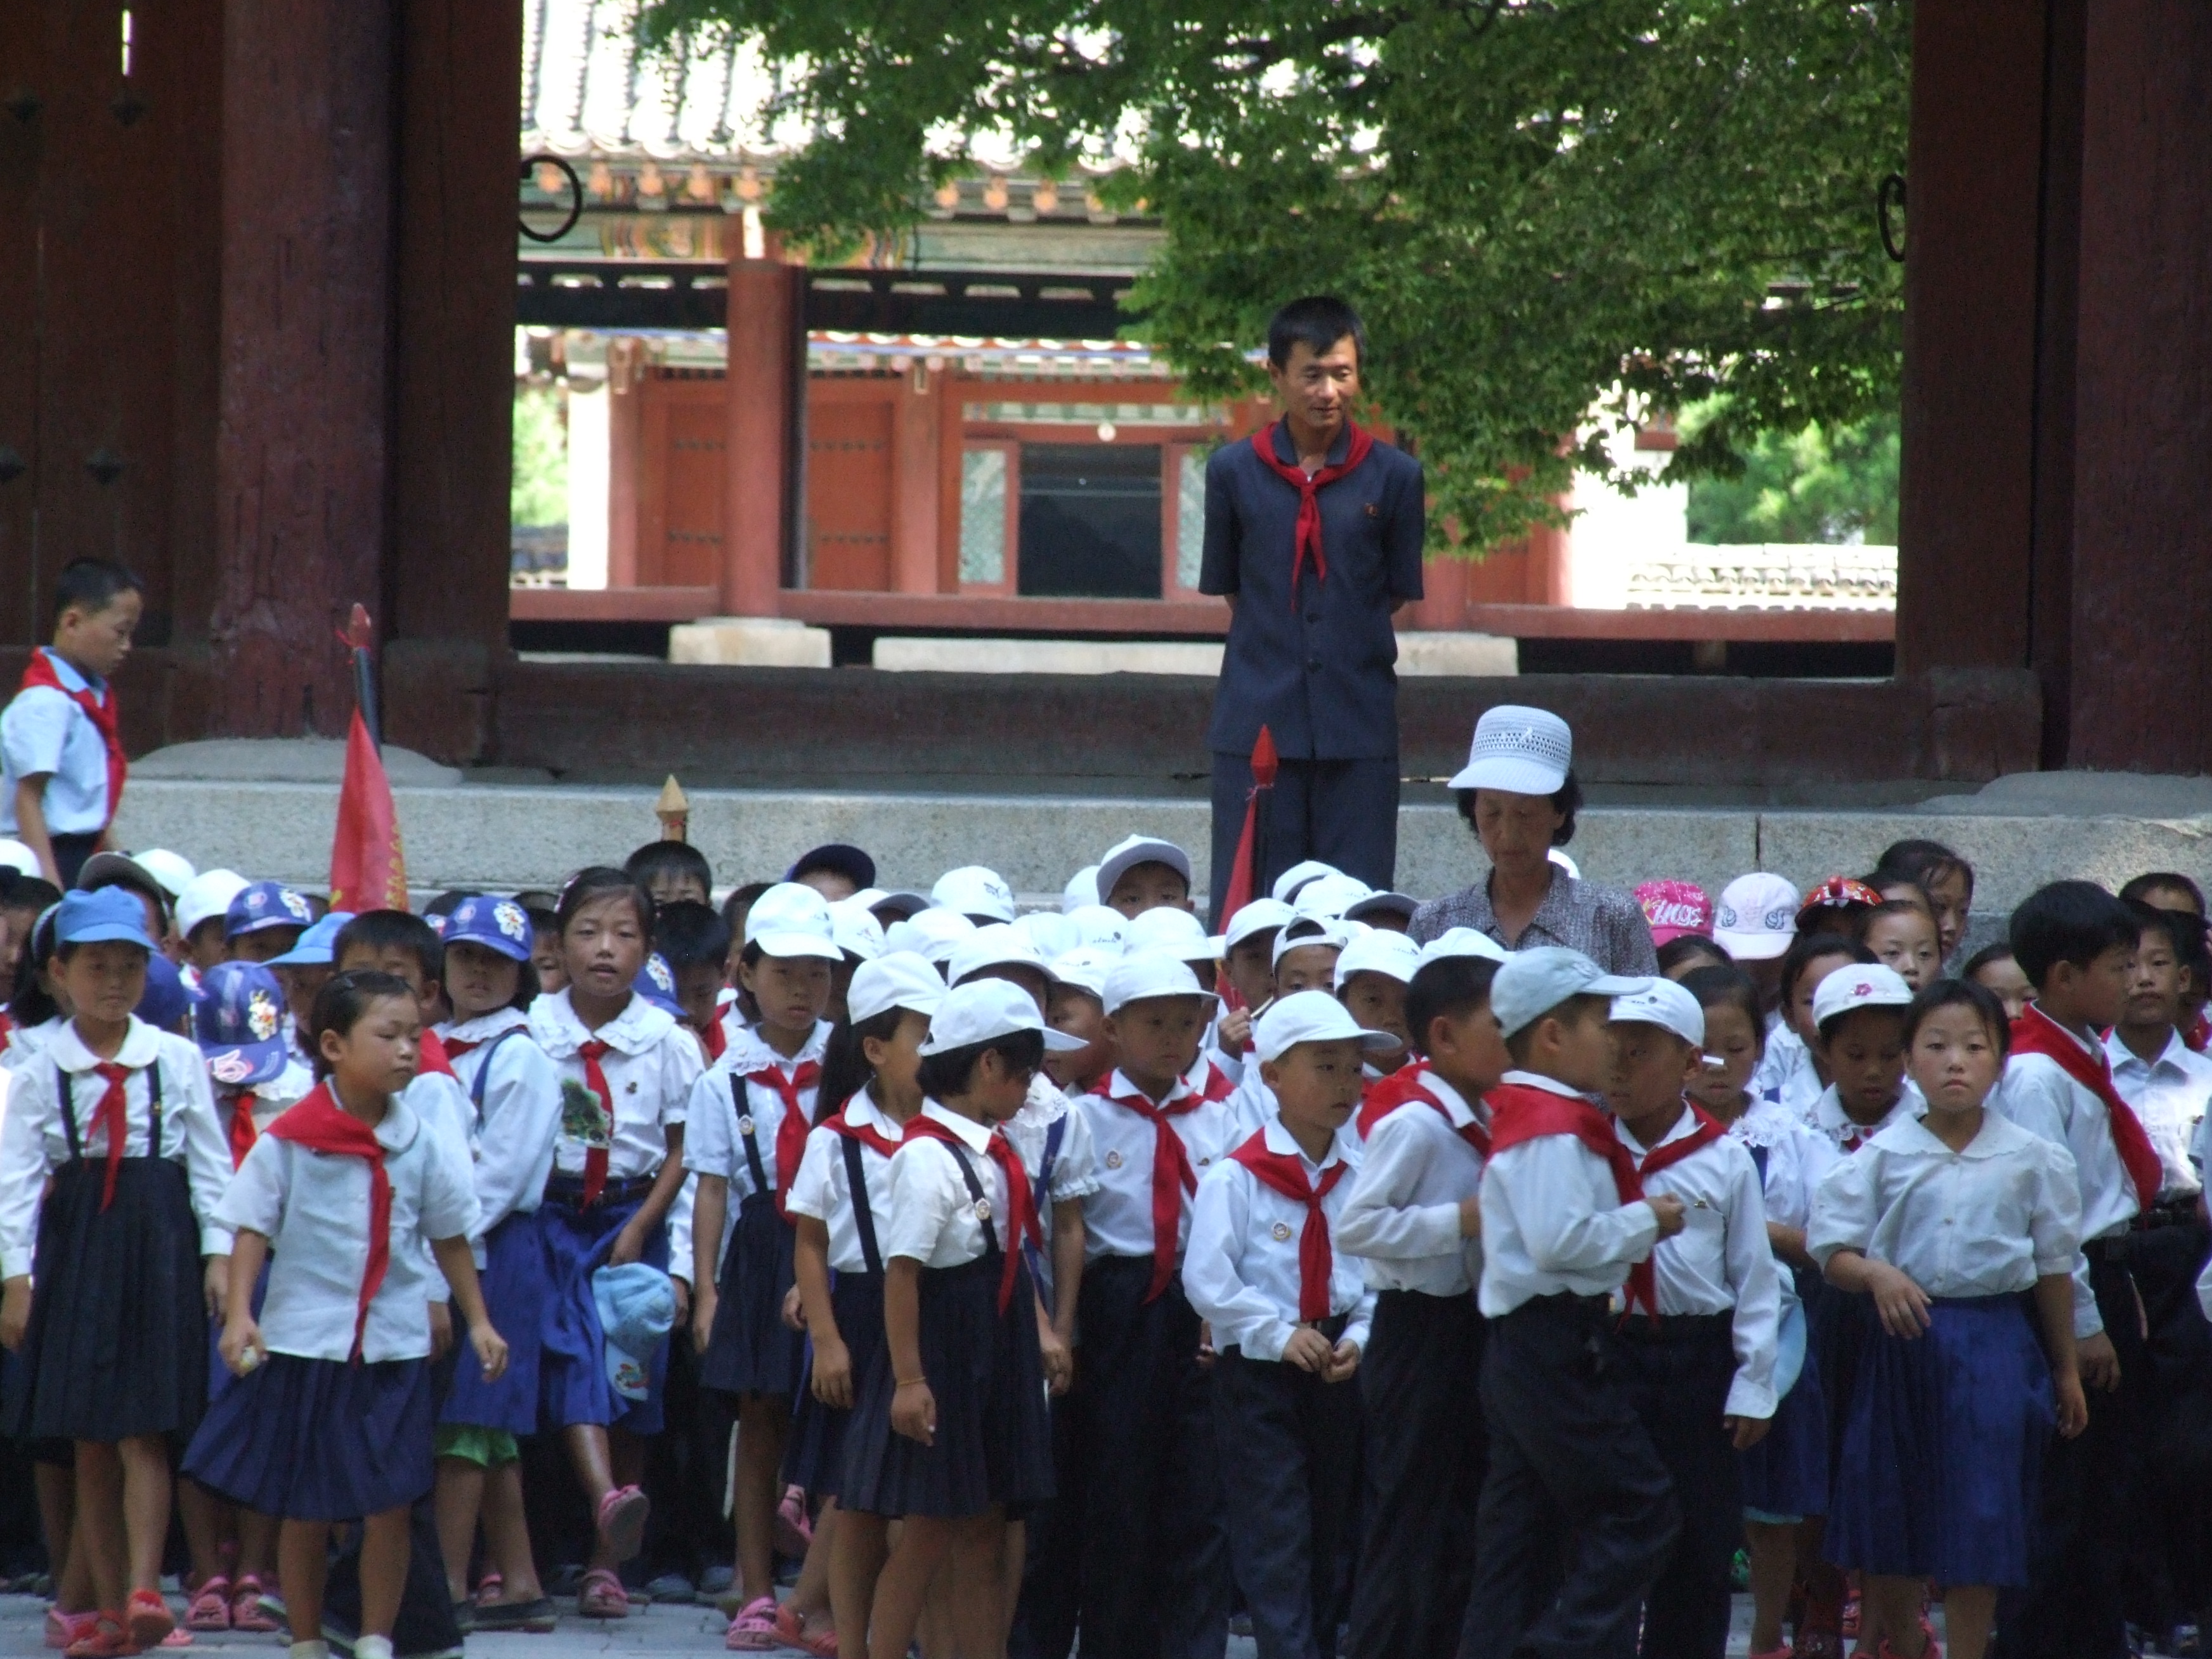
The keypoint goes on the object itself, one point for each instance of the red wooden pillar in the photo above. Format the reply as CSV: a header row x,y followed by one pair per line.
x,y
916,432
764,341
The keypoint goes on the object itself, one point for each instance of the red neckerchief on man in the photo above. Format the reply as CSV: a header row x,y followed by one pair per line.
x,y
1308,486
99,707
320,1123
1022,1222
1519,1112
2036,1033
1285,1173
1172,1176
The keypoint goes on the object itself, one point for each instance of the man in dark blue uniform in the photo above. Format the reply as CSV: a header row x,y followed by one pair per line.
x,y
1313,533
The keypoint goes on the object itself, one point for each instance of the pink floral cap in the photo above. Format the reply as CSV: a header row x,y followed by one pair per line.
x,y
1675,908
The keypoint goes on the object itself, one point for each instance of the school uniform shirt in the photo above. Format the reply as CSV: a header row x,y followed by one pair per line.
x,y
1784,1051
682,1210
2169,1095
1553,1221
1253,1107
1795,1158
1987,1221
43,730
1402,1218
820,1188
714,1142
514,1133
1074,1167
264,1102
26,1043
313,1209
650,1067
1117,1218
1720,1262
1242,1271
1845,1134
933,1218
34,1143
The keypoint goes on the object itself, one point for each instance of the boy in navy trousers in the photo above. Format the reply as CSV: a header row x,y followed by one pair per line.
x,y
1313,533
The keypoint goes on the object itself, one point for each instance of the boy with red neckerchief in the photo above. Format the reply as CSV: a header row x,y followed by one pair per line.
x,y
1564,1223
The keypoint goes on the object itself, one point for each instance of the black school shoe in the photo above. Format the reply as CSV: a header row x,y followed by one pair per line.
x,y
536,1617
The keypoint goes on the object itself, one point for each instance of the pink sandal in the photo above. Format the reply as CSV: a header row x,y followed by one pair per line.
x,y
602,1596
791,1631
489,1588
794,1528
754,1629
210,1608
64,1628
246,1612
622,1522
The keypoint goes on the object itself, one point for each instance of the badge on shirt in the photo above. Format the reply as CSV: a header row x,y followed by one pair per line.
x,y
745,1124
1113,1160
1282,1231
982,1209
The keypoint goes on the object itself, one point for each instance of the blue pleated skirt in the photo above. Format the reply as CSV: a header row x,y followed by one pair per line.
x,y
993,1442
1943,1449
572,1365
750,1350
514,1280
814,1456
319,1439
1785,1475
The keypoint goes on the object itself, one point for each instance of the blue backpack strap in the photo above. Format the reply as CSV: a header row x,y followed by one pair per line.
x,y
864,1217
483,1070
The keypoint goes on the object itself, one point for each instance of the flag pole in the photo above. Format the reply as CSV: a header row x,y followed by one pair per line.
x,y
359,637
1242,879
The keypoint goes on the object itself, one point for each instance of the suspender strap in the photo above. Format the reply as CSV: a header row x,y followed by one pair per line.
x,y
1759,1161
976,1192
1053,1138
65,1095
753,1164
483,1070
68,1099
864,1219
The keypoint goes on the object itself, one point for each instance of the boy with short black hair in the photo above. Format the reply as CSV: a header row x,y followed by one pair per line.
x,y
672,870
1140,873
1564,1223
62,765
694,940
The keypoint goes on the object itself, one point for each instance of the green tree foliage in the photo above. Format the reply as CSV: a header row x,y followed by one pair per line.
x,y
1541,206
1820,484
539,494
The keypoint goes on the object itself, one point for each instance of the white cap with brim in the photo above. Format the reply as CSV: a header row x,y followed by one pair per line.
x,y
896,979
1385,904
792,919
1312,1016
1664,1003
975,892
1859,985
1082,889
1306,930
1000,945
1330,896
1177,933
984,1010
1520,751
1462,942
1756,917
856,928
1099,928
207,898
15,855
1146,974
172,871
1293,881
1050,931
929,933
1085,969
1257,917
1532,983
1126,854
1378,950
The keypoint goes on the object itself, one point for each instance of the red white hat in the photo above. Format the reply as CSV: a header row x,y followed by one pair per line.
x,y
1675,908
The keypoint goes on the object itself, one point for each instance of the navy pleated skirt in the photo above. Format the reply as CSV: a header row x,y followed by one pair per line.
x,y
572,1365
814,1457
1785,1475
750,1350
993,1442
320,1439
117,1343
514,1280
219,1377
1943,1449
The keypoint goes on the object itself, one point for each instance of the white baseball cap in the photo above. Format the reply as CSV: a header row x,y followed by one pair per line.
x,y
1756,918
1462,942
1663,1002
988,1008
1858,985
1312,1016
1293,880
172,871
975,892
1100,928
1378,950
1053,933
855,927
1306,930
1256,917
896,979
207,898
1082,889
1521,750
1178,932
990,947
1533,983
929,933
1128,853
1381,903
792,920
1143,975
15,855
1329,897
1085,969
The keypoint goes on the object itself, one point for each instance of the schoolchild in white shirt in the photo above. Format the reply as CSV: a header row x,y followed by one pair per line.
x,y
1564,1223
1305,954
745,1133
626,1070
1945,1221
1248,962
2154,1068
1371,980
1290,1317
331,1418
1700,1353
1142,872
1156,1569
514,1100
1415,1218
112,1170
1858,1020
949,1429
1791,1073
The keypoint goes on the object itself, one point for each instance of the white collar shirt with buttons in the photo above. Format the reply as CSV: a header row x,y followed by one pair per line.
x,y
313,1207
823,1188
515,1129
265,1101
1241,1271
1553,1221
933,1213
1795,1155
1720,1262
2169,1095
1782,1053
650,1069
1117,1218
1987,1221
1845,1133
1402,1218
43,731
714,1128
34,1141
27,1043
1075,1163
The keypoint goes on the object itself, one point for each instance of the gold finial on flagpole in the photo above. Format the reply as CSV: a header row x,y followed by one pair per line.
x,y
674,809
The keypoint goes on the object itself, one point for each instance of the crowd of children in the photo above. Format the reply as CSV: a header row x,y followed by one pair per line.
x,y
1025,1280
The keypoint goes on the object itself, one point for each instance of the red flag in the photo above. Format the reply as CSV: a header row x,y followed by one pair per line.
x,y
367,870
1242,878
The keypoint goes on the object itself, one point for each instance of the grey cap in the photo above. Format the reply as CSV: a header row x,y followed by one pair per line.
x,y
1531,983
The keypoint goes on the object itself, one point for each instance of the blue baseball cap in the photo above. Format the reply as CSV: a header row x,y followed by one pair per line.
x,y
266,904
318,946
112,913
497,924
167,997
656,983
239,1023
636,1306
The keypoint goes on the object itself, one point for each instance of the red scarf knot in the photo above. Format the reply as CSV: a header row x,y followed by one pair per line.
x,y
595,1078
321,1125
1020,1202
2036,1033
1172,1176
1308,486
790,1129
1285,1173
1519,1112
874,1140
99,707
